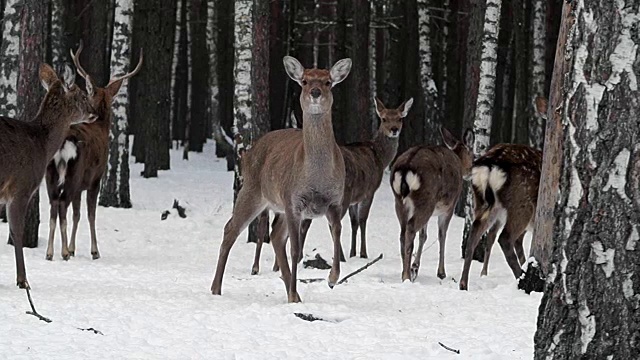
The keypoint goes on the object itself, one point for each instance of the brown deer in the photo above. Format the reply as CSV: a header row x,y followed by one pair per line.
x,y
365,163
505,191
427,181
80,163
27,147
296,172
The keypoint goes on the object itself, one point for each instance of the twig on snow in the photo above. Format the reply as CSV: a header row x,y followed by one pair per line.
x,y
308,317
97,332
448,348
312,280
361,269
33,309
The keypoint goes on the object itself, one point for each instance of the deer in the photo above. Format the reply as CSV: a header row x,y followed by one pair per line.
x,y
365,163
80,163
505,184
27,146
427,181
298,173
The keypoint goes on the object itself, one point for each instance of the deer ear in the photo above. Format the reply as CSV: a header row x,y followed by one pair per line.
x,y
469,138
405,107
47,76
89,86
449,140
113,88
379,106
69,77
294,69
542,105
339,71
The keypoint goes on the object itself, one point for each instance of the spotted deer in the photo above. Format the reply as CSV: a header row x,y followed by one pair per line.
x,y
299,173
27,146
80,163
427,181
505,192
365,163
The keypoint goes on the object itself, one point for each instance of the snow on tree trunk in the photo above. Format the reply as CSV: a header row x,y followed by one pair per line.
x,y
212,47
590,307
536,123
486,95
429,89
9,64
115,186
58,55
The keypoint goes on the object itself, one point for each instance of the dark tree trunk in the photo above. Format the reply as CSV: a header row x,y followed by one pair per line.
x,y
199,75
505,79
358,81
523,97
590,306
225,66
340,114
153,27
279,47
181,85
33,49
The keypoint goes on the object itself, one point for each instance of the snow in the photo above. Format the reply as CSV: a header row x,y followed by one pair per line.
x,y
149,293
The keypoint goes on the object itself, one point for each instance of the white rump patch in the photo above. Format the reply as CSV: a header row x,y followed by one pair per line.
x,y
68,152
497,178
480,177
408,205
413,180
397,181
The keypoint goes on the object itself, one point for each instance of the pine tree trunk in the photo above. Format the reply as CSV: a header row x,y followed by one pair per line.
x,y
226,37
590,306
177,129
150,90
503,115
485,102
538,73
199,75
115,186
358,81
186,109
429,89
9,64
212,48
279,81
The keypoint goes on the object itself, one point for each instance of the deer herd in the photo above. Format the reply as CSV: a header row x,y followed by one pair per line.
x,y
299,174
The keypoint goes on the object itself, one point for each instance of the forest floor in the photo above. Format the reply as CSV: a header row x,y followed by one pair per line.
x,y
149,297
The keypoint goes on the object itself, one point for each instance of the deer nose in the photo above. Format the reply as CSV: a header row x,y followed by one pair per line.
x,y
395,130
315,93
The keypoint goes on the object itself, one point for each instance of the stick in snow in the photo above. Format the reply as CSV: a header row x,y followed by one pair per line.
x,y
360,270
33,309
448,348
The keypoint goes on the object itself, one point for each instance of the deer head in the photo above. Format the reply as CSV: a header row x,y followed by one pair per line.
x,y
391,119
316,97
75,100
462,149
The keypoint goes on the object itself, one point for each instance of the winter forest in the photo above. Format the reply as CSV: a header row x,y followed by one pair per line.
x,y
362,158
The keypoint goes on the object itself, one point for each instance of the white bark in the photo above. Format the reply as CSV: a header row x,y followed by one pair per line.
x,y
9,64
57,34
242,67
536,123
174,63
429,89
212,47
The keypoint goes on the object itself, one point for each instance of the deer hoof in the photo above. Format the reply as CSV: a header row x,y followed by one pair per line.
x,y
255,271
442,275
294,298
23,284
463,285
276,268
95,255
49,257
364,256
72,253
352,253
414,272
65,257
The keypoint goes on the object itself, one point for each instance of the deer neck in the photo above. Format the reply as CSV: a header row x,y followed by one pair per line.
x,y
54,121
319,142
385,148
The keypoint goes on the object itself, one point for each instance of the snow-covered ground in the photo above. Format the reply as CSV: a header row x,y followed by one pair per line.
x,y
149,293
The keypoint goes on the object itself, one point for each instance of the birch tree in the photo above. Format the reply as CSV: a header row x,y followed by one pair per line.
x,y
115,186
590,306
539,23
428,85
58,55
212,48
175,68
486,95
9,64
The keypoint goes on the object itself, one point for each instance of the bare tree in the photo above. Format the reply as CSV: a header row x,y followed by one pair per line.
x,y
538,75
9,64
429,88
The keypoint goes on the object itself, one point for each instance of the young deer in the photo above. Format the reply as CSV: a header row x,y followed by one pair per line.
x,y
505,191
296,172
426,182
364,163
27,146
80,163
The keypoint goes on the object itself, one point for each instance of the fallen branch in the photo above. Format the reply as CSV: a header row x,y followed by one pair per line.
x,y
360,270
33,309
448,348
312,280
97,332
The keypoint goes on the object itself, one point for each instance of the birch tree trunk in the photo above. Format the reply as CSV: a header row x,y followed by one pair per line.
x,y
212,48
486,97
590,306
538,74
9,64
115,185
429,89
174,72
58,56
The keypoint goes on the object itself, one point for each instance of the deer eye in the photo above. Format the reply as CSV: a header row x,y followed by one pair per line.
x,y
328,83
304,82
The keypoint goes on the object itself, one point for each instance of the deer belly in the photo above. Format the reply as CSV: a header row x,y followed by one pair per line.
x,y
314,204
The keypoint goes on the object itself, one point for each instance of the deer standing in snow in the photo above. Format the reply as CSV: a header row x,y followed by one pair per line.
x,y
365,163
296,172
27,147
426,182
80,163
505,191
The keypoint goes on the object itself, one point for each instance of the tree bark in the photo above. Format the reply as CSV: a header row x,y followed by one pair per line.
x,y
115,185
226,36
9,64
199,75
58,56
279,44
590,306
177,69
538,73
358,81
427,82
212,49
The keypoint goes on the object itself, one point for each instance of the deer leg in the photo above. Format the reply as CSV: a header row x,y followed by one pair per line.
x,y
409,237
353,217
53,222
506,241
92,202
417,223
422,238
477,229
491,239
519,247
17,211
443,226
304,229
363,216
263,231
333,215
63,205
293,224
75,204
280,233
247,207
